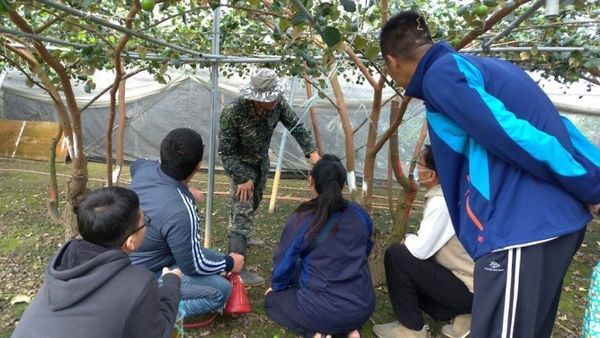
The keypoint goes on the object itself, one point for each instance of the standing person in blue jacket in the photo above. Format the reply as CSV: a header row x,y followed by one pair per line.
x,y
321,282
519,179
173,238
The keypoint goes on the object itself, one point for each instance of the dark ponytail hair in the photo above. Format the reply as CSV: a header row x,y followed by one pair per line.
x,y
329,177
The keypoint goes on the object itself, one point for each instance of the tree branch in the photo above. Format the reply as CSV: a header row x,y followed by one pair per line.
x,y
105,90
363,69
393,126
119,69
592,80
48,24
24,72
489,23
72,131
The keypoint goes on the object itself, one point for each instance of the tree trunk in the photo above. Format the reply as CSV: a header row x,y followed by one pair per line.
x,y
376,258
121,131
400,214
313,118
348,138
371,156
52,203
120,72
76,186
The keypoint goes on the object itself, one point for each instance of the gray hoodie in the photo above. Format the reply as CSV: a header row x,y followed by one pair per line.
x,y
91,291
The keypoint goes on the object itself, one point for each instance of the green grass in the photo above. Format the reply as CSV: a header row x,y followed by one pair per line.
x,y
28,238
8,245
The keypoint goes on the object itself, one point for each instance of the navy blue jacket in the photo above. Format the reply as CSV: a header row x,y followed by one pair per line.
x,y
513,170
172,238
335,286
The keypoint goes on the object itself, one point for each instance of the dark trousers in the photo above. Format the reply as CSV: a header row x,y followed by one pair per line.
x,y
517,290
282,307
423,285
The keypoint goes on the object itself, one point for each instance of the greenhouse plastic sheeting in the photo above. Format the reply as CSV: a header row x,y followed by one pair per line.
x,y
185,101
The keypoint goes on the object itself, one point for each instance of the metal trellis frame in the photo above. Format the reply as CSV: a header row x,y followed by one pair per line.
x,y
534,7
214,79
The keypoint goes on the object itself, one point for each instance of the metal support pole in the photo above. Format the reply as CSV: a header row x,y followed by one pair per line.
x,y
522,49
214,78
40,38
552,8
534,7
281,152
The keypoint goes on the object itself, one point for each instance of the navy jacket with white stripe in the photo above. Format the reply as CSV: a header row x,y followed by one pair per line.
x,y
513,171
334,288
172,237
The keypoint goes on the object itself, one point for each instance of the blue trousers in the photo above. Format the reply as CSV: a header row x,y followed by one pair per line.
x,y
203,294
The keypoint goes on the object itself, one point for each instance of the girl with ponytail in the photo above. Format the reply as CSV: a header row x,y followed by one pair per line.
x,y
321,283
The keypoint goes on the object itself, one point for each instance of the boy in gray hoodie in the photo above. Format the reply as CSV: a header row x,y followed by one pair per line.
x,y
91,289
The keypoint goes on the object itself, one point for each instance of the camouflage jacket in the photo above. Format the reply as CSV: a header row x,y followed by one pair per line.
x,y
245,137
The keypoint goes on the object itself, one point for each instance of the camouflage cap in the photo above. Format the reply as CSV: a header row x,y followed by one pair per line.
x,y
264,86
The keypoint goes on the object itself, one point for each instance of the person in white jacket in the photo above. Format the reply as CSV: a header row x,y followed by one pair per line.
x,y
429,271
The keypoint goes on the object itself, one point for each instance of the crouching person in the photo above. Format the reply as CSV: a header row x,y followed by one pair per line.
x,y
430,271
321,283
91,289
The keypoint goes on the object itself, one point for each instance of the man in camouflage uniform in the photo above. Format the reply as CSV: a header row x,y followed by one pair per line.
x,y
247,125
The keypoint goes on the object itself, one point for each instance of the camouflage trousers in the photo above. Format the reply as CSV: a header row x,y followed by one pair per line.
x,y
241,218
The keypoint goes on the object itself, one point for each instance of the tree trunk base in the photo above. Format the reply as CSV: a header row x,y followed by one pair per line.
x,y
376,259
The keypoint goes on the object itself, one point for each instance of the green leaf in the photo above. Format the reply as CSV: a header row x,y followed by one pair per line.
x,y
160,79
349,5
360,42
490,3
462,10
142,52
324,9
331,36
299,18
284,24
296,70
307,3
4,6
310,61
372,52
276,5
534,50
592,63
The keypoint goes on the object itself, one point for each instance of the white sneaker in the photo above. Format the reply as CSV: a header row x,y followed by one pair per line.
x,y
397,330
460,327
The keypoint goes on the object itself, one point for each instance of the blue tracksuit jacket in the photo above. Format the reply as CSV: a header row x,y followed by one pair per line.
x,y
335,289
173,237
513,171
